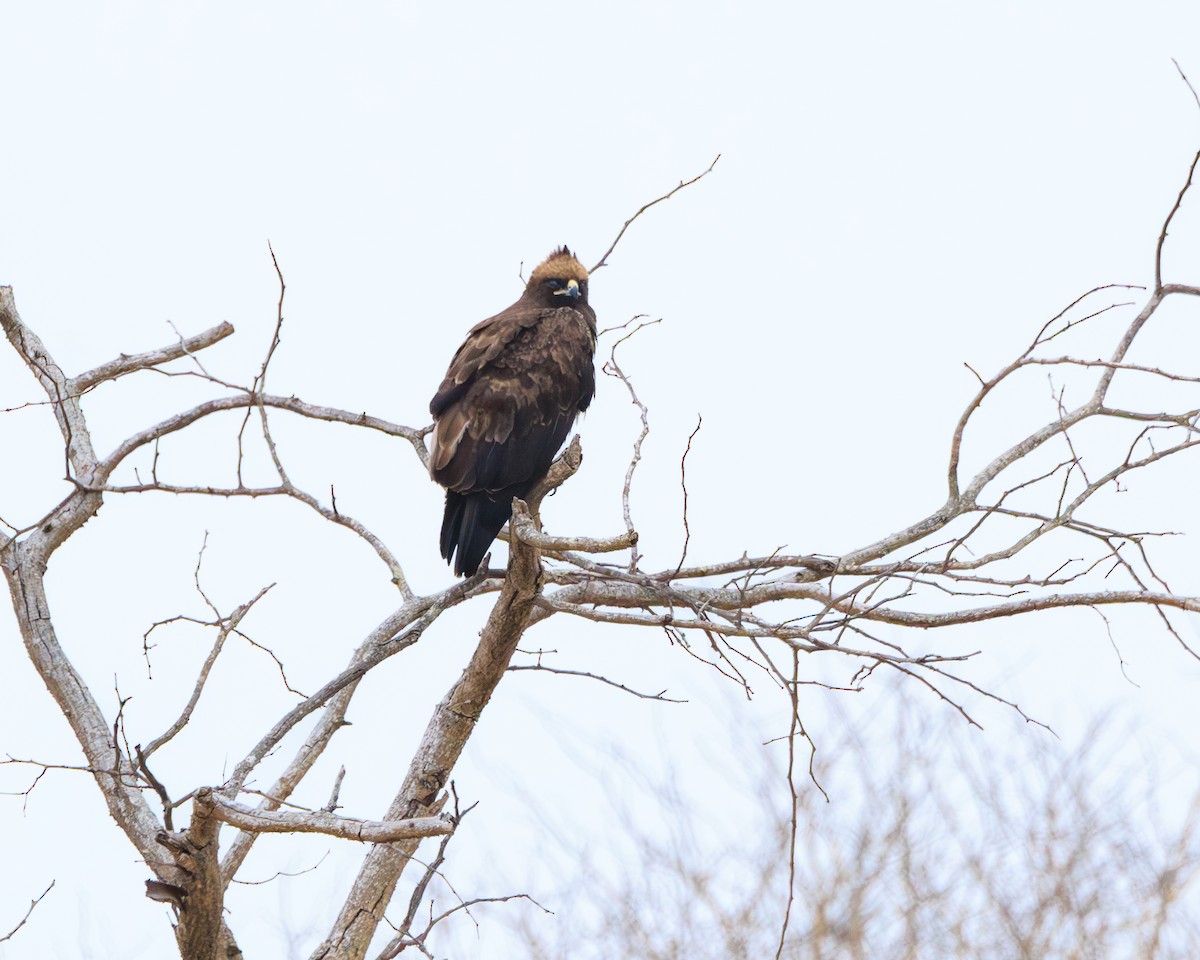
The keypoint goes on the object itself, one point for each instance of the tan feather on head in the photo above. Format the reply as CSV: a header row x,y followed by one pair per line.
x,y
560,265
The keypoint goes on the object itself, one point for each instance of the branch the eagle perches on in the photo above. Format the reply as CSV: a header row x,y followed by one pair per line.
x,y
756,612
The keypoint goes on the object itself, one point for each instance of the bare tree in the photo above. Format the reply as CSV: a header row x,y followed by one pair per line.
x,y
1036,851
1020,532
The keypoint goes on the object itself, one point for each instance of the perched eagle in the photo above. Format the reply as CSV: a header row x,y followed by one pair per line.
x,y
507,403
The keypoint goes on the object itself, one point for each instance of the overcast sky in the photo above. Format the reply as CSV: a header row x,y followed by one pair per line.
x,y
902,188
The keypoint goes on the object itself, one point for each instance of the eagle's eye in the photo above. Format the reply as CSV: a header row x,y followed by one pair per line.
x,y
554,284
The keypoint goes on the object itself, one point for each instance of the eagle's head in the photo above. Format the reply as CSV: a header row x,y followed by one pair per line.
x,y
559,281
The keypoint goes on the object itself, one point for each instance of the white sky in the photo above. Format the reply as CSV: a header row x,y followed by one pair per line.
x,y
903,187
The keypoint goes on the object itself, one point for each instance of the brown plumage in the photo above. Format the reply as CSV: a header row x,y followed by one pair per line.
x,y
507,403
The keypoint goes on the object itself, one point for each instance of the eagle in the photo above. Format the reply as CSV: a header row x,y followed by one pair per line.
x,y
507,403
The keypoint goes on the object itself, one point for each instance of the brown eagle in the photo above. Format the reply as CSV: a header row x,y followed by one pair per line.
x,y
507,403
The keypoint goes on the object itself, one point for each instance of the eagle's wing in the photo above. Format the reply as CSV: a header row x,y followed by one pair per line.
x,y
509,398
483,344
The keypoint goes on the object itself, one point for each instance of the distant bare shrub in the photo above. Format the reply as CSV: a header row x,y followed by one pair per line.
x,y
941,843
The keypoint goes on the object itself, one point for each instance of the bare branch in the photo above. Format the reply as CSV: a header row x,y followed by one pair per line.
x,y
402,941
157,786
80,456
32,905
332,804
794,819
397,632
1162,236
283,873
291,404
661,695
131,363
687,530
603,261
227,626
366,831
579,600
612,368
1195,96
526,529
395,947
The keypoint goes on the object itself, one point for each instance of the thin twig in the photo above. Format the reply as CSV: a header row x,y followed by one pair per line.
x,y
661,695
687,530
603,261
32,904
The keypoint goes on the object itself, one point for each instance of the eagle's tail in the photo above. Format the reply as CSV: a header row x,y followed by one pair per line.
x,y
469,526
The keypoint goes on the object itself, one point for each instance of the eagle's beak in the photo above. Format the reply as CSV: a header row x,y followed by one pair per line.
x,y
571,290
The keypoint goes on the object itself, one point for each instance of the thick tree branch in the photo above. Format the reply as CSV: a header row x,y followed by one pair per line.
x,y
580,599
449,728
186,418
24,564
201,933
527,530
131,363
81,457
365,831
